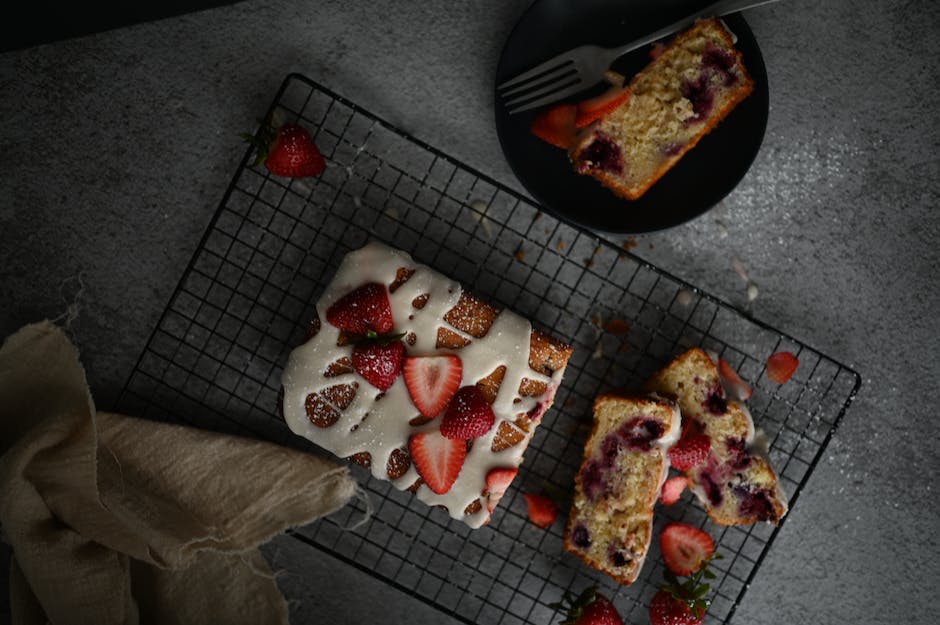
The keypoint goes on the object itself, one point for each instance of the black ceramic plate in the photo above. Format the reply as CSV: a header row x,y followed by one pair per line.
x,y
705,175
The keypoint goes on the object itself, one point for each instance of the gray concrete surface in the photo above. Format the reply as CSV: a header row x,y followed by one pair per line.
x,y
116,148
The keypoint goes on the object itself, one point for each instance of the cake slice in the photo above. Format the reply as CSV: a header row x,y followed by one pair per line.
x,y
735,483
675,101
424,383
622,471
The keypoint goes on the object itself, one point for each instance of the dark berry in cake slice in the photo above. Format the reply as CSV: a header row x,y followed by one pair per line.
x,y
699,93
432,381
602,154
438,460
541,509
362,310
468,415
379,362
755,503
556,125
781,366
685,548
580,536
715,401
640,432
589,608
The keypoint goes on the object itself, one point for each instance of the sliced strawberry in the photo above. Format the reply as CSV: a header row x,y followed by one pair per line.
x,y
361,310
542,510
689,452
468,416
432,381
556,125
666,609
672,489
438,460
594,108
781,366
378,362
685,548
497,481
736,387
287,151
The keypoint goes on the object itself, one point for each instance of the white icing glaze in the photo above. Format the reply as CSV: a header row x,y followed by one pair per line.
x,y
379,423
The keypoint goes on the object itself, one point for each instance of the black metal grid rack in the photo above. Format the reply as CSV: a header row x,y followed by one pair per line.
x,y
245,300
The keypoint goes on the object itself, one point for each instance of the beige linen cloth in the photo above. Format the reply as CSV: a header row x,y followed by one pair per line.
x,y
115,519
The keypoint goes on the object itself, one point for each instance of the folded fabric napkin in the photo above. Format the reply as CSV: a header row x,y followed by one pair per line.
x,y
116,519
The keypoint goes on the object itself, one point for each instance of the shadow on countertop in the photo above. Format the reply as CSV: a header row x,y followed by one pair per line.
x,y
45,21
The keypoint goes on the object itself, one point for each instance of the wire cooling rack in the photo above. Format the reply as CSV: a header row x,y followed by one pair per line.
x,y
246,299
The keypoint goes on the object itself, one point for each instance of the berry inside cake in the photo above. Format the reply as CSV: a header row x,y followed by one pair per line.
x,y
410,375
622,471
675,101
734,482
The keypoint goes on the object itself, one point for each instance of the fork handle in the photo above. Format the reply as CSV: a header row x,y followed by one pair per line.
x,y
716,9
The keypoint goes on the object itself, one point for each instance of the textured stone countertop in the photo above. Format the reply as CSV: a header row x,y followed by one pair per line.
x,y
115,149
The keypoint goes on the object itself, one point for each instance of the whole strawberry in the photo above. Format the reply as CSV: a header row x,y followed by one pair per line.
x,y
666,609
590,608
287,150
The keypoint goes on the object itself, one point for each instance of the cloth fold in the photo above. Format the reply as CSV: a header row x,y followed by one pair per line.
x,y
117,519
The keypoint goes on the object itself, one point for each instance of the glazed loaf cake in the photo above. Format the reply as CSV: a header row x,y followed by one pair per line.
x,y
500,366
735,483
675,101
622,471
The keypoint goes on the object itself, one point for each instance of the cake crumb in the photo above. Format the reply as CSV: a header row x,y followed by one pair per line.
x,y
519,253
560,245
684,297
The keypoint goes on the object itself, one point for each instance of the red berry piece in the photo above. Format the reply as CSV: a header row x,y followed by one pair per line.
x,y
468,416
673,489
780,366
497,481
362,310
689,452
734,385
437,460
590,608
379,363
556,125
685,548
287,151
594,108
542,510
432,381
666,609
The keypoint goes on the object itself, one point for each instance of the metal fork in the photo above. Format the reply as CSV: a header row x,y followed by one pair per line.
x,y
584,66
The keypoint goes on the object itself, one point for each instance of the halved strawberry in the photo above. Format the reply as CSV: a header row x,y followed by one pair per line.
x,y
362,309
594,108
685,548
378,362
432,381
542,510
689,452
672,489
556,125
468,415
781,366
437,460
497,481
736,387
